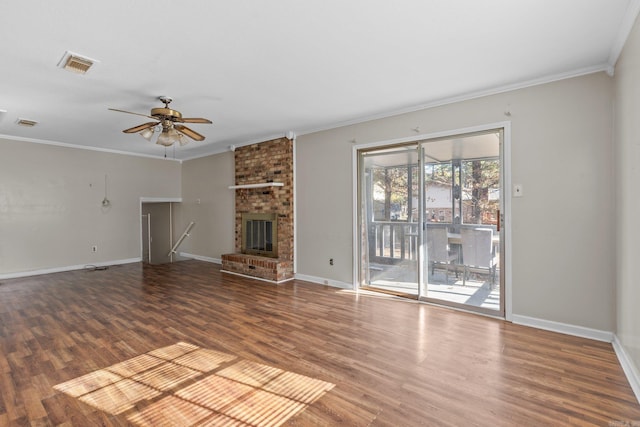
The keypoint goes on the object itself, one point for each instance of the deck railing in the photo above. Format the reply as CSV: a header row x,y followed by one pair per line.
x,y
391,242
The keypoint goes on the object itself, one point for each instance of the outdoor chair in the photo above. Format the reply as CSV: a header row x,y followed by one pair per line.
x,y
477,252
438,252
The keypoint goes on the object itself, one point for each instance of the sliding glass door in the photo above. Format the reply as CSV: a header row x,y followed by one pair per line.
x,y
462,224
430,224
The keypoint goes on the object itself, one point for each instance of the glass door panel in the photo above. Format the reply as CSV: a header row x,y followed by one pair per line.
x,y
462,204
389,210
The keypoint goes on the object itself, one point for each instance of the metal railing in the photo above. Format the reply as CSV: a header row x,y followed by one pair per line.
x,y
184,235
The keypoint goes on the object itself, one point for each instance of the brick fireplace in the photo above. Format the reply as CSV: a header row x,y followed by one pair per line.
x,y
261,168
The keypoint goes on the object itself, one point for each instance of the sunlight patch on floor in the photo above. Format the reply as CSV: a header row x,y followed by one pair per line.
x,y
184,384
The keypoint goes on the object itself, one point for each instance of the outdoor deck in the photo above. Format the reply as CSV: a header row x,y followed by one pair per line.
x,y
402,280
393,265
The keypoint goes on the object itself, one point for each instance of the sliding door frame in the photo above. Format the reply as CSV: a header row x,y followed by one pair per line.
x,y
506,189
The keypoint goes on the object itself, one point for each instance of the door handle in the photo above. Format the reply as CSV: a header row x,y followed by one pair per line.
x,y
498,223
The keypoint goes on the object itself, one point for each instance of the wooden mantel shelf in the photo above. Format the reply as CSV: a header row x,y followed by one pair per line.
x,y
258,185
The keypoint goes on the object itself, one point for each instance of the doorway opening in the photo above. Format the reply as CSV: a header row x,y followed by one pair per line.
x,y
158,230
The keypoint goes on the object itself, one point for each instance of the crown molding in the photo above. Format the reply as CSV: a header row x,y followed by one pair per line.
x,y
223,148
467,96
83,147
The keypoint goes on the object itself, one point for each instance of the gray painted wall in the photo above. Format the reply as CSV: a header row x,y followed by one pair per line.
x,y
207,200
563,241
50,204
627,178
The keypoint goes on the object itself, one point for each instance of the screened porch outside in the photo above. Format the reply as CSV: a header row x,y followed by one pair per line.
x,y
393,267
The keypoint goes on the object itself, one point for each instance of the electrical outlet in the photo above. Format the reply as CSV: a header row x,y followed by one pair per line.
x,y
94,248
330,261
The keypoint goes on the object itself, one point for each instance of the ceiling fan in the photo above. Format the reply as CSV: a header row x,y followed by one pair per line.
x,y
172,131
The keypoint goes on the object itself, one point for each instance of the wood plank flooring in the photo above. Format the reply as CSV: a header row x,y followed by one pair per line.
x,y
183,344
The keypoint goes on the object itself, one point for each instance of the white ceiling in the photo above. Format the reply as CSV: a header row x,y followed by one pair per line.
x,y
259,69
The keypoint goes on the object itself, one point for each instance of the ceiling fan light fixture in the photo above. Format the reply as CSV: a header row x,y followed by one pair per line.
x,y
147,133
168,137
168,124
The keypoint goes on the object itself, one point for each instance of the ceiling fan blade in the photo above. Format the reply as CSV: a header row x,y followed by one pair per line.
x,y
189,132
138,128
129,112
194,120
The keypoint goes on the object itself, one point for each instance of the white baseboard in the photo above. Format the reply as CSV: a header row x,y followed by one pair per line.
x,y
322,281
306,278
256,278
201,258
563,328
629,368
67,268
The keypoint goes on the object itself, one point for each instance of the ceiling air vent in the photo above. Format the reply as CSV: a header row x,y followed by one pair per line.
x,y
76,63
26,122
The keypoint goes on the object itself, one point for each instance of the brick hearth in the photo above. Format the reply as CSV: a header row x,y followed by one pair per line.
x,y
271,269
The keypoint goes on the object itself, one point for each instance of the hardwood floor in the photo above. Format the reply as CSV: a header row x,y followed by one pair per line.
x,y
184,343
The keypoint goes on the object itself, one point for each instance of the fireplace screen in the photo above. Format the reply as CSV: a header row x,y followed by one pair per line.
x,y
259,234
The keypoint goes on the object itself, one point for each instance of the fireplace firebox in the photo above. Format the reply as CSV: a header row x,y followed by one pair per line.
x,y
260,234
